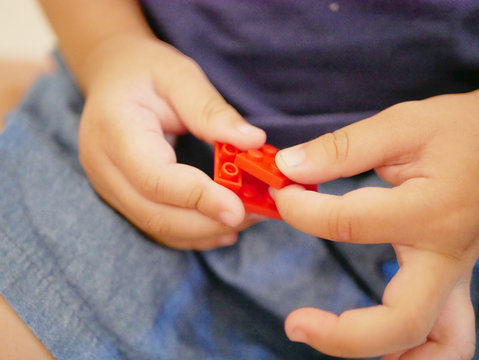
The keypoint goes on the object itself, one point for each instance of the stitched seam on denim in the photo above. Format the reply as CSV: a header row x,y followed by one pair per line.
x,y
69,307
121,350
58,293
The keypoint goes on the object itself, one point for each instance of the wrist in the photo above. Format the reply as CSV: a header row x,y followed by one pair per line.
x,y
130,56
83,27
109,54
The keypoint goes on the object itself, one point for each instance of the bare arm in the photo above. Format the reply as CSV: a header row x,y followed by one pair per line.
x,y
82,27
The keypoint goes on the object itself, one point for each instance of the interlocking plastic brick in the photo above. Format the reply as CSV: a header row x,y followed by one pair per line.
x,y
260,163
250,174
226,172
256,198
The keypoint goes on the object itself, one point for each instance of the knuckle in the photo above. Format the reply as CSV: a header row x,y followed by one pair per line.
x,y
188,67
405,111
340,224
184,70
195,196
158,226
215,106
153,186
339,343
416,331
337,146
213,109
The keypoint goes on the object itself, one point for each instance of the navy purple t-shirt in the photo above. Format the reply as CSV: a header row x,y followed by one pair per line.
x,y
300,68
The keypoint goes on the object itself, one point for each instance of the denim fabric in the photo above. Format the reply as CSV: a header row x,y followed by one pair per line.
x,y
91,286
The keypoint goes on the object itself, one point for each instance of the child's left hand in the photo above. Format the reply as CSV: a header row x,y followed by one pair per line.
x,y
429,151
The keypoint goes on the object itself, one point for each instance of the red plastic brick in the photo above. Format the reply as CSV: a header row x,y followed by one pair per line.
x,y
260,163
256,199
226,172
250,174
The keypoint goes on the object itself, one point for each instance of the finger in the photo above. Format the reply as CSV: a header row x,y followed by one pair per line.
x,y
216,241
222,238
395,356
356,148
148,162
453,335
160,221
187,187
208,243
403,321
366,215
204,111
165,223
170,225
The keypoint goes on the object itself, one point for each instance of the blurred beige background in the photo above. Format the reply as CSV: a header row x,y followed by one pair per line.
x,y
26,41
24,32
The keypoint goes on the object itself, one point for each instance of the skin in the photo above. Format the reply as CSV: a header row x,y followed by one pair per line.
x,y
429,152
139,91
17,342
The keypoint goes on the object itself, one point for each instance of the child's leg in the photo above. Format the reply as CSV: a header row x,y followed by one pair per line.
x,y
16,340
16,78
90,285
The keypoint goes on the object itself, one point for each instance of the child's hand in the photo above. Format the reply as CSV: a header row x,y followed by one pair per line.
x,y
143,91
429,151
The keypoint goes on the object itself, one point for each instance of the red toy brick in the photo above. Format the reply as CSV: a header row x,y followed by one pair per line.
x,y
256,199
226,172
250,174
260,163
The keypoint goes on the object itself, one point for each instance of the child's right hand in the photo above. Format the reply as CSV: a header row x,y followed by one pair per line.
x,y
428,151
140,91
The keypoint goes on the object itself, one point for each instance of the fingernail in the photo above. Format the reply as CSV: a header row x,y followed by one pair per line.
x,y
228,218
227,240
292,157
298,336
246,129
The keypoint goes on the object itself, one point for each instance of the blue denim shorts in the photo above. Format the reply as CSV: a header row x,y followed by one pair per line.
x,y
91,286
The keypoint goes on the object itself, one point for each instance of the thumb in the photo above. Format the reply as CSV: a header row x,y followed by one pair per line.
x,y
383,139
205,113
